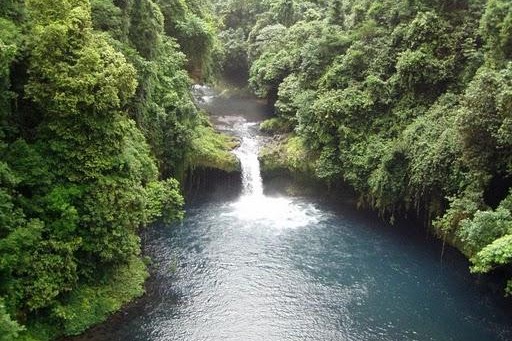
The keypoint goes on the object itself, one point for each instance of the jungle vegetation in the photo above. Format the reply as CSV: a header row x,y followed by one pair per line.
x,y
97,129
409,102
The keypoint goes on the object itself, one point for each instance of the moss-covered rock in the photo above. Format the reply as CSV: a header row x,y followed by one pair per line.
x,y
276,125
286,154
211,149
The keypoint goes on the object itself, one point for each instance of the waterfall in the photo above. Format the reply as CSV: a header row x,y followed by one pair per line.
x,y
253,205
236,124
231,115
247,153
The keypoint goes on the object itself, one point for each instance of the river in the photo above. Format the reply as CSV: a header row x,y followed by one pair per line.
x,y
285,268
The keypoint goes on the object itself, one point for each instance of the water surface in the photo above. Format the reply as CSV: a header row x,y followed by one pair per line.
x,y
293,268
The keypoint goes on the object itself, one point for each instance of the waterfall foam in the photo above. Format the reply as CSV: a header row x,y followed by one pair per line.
x,y
253,205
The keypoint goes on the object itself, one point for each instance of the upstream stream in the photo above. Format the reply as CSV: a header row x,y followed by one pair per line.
x,y
280,267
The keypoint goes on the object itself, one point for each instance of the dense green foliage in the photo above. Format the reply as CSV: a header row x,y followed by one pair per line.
x,y
409,102
96,123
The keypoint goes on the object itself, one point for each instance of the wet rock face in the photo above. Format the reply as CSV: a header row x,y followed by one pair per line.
x,y
209,183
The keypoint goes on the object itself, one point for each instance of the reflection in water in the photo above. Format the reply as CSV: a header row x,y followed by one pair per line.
x,y
289,269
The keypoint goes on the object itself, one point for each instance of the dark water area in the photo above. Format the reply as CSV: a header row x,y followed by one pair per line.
x,y
284,267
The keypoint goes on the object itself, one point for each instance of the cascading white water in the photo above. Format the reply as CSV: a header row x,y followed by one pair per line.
x,y
240,121
247,153
253,205
203,93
